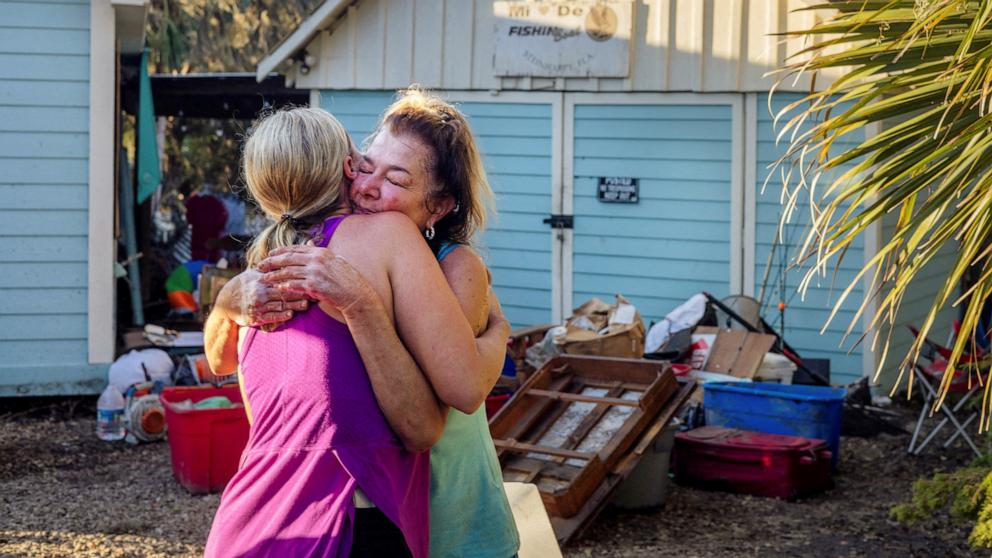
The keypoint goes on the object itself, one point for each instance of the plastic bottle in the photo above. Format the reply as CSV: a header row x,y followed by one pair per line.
x,y
110,415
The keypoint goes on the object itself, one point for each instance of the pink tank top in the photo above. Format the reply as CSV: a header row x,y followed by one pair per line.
x,y
317,433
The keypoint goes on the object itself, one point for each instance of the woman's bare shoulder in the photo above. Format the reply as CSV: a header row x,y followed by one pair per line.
x,y
388,227
464,261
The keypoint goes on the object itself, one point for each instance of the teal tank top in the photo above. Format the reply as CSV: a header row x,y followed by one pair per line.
x,y
470,515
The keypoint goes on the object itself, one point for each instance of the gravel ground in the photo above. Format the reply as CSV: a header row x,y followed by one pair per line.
x,y
65,493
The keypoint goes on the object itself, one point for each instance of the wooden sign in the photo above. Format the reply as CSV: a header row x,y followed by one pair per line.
x,y
579,38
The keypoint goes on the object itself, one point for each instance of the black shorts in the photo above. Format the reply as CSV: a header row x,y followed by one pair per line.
x,y
376,536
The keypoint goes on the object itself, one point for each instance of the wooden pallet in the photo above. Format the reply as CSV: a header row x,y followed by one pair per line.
x,y
568,529
574,420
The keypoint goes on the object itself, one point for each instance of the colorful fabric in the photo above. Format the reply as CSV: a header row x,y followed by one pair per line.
x,y
317,434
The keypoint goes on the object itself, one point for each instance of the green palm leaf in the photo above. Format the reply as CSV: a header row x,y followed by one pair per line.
x,y
921,72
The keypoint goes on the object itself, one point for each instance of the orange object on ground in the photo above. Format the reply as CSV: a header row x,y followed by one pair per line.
x,y
182,299
205,444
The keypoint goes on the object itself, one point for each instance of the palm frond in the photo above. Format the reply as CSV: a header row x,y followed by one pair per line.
x,y
920,72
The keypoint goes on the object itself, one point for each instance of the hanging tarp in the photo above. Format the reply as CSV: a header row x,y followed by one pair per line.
x,y
149,172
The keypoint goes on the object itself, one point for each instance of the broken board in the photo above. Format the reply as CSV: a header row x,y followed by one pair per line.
x,y
738,353
573,420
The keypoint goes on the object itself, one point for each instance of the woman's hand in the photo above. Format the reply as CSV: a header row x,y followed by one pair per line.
x,y
316,273
248,301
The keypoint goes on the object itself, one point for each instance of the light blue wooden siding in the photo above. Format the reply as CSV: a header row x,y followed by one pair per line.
x,y
676,241
515,140
44,113
804,318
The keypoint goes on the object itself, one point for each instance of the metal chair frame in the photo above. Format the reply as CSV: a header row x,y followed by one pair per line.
x,y
929,394
931,351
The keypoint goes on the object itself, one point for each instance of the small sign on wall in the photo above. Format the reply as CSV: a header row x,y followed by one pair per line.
x,y
618,189
575,38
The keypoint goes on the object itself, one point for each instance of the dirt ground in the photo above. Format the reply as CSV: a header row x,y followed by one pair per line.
x,y
65,493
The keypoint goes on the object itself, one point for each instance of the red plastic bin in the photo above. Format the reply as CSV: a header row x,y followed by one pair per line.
x,y
745,462
206,444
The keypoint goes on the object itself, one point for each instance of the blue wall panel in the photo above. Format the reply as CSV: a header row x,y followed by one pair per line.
x,y
804,317
515,140
676,241
44,124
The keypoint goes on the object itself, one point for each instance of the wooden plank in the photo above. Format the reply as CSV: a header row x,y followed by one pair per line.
x,y
751,354
725,350
522,447
559,396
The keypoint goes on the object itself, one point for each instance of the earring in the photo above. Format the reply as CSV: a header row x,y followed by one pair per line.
x,y
457,207
429,232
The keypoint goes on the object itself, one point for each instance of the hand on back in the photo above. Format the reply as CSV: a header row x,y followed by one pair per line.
x,y
262,304
315,273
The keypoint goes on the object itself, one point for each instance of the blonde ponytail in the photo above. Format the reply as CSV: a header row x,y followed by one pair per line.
x,y
294,167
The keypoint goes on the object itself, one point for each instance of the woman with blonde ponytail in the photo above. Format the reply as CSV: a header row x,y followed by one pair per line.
x,y
319,446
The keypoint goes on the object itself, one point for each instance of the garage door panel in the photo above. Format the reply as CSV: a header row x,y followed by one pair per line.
x,y
676,240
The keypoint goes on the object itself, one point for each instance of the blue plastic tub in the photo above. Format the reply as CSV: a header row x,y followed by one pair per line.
x,y
796,410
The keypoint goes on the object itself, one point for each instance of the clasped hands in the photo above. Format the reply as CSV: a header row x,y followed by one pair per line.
x,y
289,279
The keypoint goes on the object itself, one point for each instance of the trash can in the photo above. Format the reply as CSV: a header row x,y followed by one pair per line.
x,y
648,482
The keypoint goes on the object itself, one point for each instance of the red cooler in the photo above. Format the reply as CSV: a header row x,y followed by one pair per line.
x,y
206,444
773,465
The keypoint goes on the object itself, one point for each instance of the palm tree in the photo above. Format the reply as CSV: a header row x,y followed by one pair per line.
x,y
920,72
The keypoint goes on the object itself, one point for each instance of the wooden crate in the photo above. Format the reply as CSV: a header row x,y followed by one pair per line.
x,y
573,420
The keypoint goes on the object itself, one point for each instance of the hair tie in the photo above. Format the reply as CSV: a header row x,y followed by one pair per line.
x,y
293,222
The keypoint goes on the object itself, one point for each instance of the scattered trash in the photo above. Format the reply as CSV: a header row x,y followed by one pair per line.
x,y
144,417
601,329
135,367
547,349
685,316
215,402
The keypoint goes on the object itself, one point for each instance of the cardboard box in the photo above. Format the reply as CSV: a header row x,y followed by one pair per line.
x,y
600,329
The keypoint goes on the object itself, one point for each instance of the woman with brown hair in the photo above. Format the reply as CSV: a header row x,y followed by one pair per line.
x,y
423,162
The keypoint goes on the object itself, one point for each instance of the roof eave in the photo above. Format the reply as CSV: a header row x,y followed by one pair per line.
x,y
326,13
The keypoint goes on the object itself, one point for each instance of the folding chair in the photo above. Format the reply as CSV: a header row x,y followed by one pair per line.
x,y
929,377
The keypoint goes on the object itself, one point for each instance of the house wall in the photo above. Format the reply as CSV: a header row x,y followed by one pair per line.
x,y
44,147
805,315
677,45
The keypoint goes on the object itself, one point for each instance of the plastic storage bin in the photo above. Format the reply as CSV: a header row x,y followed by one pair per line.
x,y
771,465
793,410
206,444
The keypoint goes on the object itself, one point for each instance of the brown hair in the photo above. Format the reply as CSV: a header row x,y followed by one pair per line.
x,y
456,165
294,168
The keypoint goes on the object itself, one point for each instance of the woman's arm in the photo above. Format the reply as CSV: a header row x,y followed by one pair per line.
x,y
402,391
433,325
430,320
243,300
